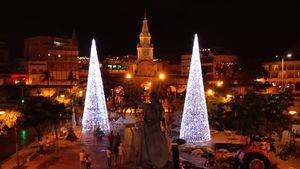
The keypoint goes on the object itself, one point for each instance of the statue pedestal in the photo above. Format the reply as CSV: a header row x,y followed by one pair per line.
x,y
131,142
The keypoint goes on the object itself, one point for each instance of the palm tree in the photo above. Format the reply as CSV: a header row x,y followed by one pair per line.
x,y
47,77
71,78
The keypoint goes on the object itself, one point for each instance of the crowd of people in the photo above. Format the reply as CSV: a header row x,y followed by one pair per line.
x,y
115,153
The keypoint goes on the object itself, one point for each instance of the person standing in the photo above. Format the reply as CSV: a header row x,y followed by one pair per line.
x,y
81,159
118,139
108,156
47,144
111,138
121,154
41,145
116,146
88,161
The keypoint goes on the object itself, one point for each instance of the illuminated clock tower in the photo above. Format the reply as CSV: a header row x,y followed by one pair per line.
x,y
145,48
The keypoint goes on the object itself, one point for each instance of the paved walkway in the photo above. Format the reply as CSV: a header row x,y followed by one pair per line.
x,y
66,155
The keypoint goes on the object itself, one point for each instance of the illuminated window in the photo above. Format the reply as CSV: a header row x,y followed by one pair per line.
x,y
275,67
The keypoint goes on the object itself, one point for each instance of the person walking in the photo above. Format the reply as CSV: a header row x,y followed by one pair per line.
x,y
108,156
111,138
81,159
88,161
121,154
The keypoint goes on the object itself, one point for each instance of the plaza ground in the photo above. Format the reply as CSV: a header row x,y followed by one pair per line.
x,y
66,155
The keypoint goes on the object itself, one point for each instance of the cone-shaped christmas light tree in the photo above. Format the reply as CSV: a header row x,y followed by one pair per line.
x,y
194,124
95,112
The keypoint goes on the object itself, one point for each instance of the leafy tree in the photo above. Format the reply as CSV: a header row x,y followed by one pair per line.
x,y
254,112
39,111
71,78
8,118
242,73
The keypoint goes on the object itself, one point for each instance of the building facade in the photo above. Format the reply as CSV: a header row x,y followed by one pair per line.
x,y
140,70
211,61
288,79
58,55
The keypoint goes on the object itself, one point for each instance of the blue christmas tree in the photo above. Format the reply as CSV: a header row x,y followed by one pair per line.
x,y
95,111
194,124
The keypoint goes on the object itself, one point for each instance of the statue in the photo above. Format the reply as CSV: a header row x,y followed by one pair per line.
x,y
154,147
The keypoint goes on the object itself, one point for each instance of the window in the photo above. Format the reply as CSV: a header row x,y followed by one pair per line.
x,y
266,67
274,75
275,67
290,67
290,75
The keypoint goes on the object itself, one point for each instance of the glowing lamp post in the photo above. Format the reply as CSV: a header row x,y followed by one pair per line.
x,y
220,83
162,76
289,55
210,92
292,112
128,76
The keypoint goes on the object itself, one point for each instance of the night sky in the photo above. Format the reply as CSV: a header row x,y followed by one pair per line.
x,y
255,30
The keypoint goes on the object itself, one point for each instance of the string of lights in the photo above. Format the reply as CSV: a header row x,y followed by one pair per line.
x,y
194,124
95,111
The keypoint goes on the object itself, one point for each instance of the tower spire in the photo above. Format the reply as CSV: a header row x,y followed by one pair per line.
x,y
145,48
74,34
145,30
74,39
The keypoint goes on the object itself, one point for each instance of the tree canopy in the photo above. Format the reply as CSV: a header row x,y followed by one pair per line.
x,y
254,113
39,111
8,118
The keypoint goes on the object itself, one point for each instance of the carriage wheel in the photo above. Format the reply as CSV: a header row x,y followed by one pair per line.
x,y
256,164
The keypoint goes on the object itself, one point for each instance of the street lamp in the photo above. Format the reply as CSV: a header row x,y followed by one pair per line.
x,y
289,55
210,92
162,76
292,112
220,83
229,96
128,76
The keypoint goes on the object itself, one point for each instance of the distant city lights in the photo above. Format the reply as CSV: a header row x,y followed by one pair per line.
x,y
292,112
128,76
220,83
210,92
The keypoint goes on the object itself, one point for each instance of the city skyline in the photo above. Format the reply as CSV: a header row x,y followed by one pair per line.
x,y
249,30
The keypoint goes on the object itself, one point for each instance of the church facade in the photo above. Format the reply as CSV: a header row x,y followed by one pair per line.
x,y
137,71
